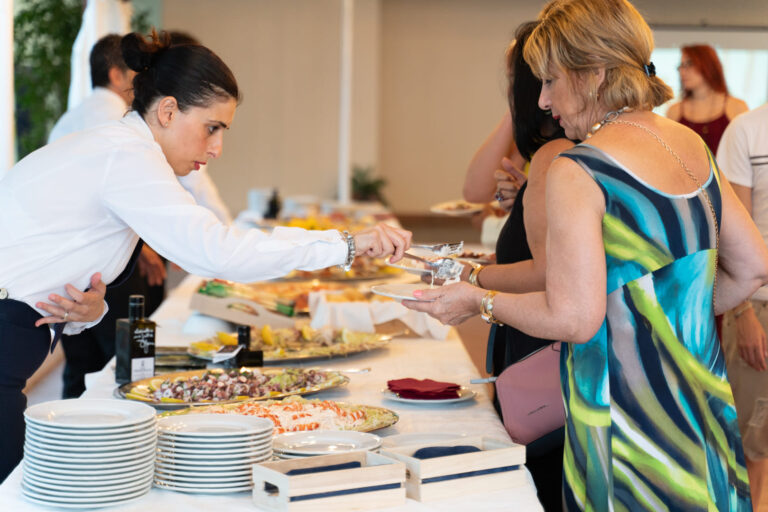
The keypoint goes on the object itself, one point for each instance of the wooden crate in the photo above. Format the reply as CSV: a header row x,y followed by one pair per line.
x,y
239,311
378,483
451,476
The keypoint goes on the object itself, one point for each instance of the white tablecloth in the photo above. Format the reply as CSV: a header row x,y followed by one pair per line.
x,y
406,357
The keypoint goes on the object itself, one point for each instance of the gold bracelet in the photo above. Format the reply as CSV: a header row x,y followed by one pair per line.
x,y
742,308
473,274
486,308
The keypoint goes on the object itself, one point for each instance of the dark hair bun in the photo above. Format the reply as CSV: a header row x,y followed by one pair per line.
x,y
139,52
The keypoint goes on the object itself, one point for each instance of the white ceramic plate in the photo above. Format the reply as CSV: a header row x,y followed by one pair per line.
x,y
418,438
203,485
73,489
399,291
204,477
172,438
50,447
464,394
197,445
457,208
206,454
84,497
89,457
51,501
38,461
214,425
245,471
324,442
81,442
81,414
85,477
196,489
194,464
92,433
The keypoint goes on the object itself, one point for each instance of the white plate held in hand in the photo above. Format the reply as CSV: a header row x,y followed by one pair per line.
x,y
400,291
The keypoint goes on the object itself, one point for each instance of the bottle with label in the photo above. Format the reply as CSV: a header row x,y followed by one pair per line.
x,y
134,344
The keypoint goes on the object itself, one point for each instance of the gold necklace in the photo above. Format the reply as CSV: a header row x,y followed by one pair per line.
x,y
612,118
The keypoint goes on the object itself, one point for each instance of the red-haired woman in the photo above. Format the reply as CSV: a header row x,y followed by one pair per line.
x,y
706,108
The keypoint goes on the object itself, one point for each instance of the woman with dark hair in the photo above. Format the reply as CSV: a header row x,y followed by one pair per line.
x,y
520,248
81,203
706,107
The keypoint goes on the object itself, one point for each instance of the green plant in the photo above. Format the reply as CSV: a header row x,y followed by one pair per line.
x,y
367,187
44,31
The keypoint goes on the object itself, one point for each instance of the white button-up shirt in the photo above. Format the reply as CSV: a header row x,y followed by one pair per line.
x,y
78,206
104,105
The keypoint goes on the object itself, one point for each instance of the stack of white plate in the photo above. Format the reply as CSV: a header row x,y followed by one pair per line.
x,y
294,445
210,453
88,453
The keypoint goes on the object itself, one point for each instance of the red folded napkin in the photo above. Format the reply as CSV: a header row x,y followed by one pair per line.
x,y
425,389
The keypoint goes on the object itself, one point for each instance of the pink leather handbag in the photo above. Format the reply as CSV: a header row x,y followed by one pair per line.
x,y
530,396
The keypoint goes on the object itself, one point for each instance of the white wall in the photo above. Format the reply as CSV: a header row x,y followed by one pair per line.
x,y
286,58
428,85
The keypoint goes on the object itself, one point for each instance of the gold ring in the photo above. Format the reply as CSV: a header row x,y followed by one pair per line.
x,y
66,316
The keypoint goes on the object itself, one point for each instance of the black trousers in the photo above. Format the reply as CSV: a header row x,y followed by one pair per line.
x,y
23,348
90,350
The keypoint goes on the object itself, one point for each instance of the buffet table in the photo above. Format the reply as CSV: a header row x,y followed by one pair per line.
x,y
406,357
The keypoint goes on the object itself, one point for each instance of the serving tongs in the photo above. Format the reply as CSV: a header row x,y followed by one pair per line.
x,y
444,250
444,268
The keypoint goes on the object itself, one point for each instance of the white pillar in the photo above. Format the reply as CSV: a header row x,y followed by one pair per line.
x,y
345,99
100,17
7,118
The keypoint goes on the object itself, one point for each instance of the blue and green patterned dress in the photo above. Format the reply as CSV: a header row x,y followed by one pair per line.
x,y
651,423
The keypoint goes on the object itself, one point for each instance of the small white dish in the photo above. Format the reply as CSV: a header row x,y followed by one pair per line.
x,y
400,291
214,425
457,208
80,414
324,442
464,394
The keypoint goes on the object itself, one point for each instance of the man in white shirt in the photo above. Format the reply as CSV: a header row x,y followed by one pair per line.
x,y
112,91
743,158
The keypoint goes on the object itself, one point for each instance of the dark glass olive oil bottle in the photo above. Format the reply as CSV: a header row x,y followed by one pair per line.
x,y
134,344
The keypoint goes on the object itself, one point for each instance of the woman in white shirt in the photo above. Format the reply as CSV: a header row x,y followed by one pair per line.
x,y
79,205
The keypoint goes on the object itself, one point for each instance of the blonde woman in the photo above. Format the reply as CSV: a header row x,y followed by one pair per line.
x,y
640,233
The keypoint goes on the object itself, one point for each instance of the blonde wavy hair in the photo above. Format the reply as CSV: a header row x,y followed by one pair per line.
x,y
580,36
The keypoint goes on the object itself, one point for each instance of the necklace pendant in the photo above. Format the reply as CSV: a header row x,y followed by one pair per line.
x,y
594,128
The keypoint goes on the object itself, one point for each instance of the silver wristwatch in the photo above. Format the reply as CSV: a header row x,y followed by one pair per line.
x,y
350,251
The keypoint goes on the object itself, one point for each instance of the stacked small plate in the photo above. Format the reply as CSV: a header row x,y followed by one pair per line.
x,y
210,453
88,453
294,445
